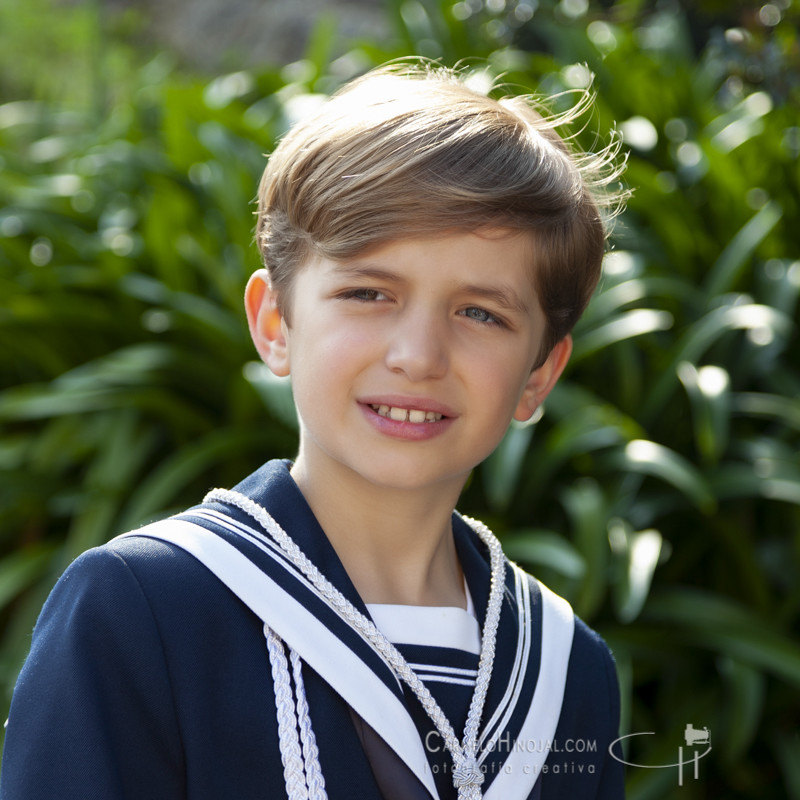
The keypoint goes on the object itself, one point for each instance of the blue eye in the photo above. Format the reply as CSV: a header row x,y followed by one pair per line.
x,y
480,315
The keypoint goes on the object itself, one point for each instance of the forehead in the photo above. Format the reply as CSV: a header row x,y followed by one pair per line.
x,y
476,252
460,252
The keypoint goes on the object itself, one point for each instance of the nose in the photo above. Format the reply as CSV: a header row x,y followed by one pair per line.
x,y
417,345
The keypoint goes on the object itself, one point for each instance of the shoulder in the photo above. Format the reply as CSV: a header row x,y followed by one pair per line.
x,y
123,568
138,607
593,674
124,586
98,694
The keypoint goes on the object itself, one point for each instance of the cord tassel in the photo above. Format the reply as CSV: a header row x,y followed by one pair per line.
x,y
301,770
314,778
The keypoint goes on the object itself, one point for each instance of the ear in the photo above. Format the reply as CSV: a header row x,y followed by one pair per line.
x,y
543,379
267,326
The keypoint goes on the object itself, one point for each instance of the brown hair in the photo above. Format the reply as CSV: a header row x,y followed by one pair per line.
x,y
412,150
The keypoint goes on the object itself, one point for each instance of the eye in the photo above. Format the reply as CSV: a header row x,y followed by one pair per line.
x,y
364,295
481,315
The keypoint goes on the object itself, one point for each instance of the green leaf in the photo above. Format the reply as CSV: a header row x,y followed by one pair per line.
x,y
760,479
709,394
611,300
587,509
627,325
716,623
20,569
158,492
785,410
734,258
745,690
114,469
639,552
787,748
545,548
644,457
275,392
501,471
705,332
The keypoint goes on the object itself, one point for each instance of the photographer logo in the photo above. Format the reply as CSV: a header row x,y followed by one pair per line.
x,y
694,738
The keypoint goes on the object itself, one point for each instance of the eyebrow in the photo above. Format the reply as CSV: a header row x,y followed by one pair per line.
x,y
504,297
366,271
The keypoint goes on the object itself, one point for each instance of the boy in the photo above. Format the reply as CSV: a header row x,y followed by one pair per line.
x,y
332,627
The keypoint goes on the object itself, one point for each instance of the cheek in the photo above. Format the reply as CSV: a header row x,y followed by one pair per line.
x,y
345,341
508,373
328,356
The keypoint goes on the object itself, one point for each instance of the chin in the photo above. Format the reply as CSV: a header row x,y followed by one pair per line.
x,y
410,476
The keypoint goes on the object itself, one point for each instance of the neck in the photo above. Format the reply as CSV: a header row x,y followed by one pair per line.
x,y
396,545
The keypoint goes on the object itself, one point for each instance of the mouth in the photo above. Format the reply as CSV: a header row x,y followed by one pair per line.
x,y
398,414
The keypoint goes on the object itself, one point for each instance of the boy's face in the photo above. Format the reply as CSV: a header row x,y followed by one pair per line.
x,y
409,362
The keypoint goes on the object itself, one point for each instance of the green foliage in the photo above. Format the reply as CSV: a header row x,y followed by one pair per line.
x,y
660,492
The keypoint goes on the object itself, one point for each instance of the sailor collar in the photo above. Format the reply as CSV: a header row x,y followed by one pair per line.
x,y
533,642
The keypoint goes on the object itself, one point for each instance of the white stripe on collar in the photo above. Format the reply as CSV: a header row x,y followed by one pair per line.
x,y
522,768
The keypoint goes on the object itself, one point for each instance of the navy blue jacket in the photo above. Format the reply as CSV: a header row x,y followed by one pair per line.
x,y
148,679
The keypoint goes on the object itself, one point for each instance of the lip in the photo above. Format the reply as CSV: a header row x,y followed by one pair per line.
x,y
405,430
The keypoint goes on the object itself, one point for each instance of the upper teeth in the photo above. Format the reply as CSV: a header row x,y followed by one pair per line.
x,y
407,414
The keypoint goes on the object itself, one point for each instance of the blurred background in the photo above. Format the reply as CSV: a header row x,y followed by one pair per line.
x,y
660,492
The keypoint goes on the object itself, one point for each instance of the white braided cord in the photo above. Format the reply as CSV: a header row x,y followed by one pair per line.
x,y
467,776
314,778
294,773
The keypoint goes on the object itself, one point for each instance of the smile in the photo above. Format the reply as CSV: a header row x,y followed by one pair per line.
x,y
406,414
